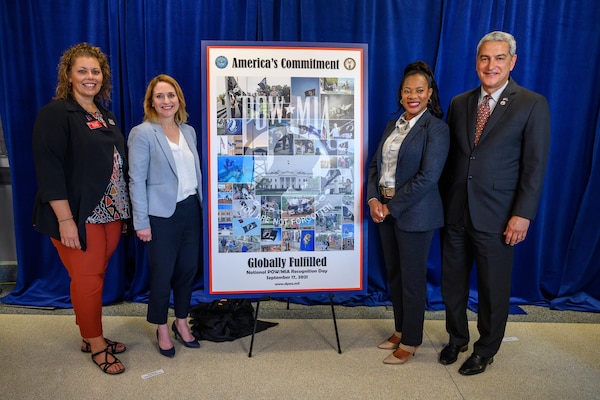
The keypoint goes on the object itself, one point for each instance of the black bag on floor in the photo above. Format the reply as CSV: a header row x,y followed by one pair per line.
x,y
224,320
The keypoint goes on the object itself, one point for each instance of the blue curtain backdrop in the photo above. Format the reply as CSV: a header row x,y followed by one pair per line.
x,y
557,42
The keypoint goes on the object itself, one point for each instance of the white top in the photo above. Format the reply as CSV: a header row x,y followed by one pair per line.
x,y
186,168
391,147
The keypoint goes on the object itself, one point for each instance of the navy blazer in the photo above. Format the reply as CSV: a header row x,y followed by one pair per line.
x,y
417,205
153,178
503,175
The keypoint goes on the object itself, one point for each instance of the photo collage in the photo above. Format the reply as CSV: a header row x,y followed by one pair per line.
x,y
285,164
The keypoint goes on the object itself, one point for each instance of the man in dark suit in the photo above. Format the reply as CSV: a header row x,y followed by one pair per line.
x,y
491,187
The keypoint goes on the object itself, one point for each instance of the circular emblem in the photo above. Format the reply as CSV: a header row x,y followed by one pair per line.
x,y
221,62
349,63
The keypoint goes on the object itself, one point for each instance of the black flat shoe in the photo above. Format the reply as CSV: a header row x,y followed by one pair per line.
x,y
113,346
194,344
475,364
168,352
449,354
104,364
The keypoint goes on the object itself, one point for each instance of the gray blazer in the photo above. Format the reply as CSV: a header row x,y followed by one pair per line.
x,y
417,205
152,172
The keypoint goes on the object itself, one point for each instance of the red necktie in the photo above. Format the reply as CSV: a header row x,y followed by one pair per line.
x,y
483,113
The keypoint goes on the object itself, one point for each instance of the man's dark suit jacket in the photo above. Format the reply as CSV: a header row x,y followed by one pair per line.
x,y
502,176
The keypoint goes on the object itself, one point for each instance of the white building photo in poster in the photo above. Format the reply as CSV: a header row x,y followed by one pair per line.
x,y
286,147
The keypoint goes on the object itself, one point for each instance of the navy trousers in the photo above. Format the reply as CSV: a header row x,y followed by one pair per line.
x,y
405,257
174,258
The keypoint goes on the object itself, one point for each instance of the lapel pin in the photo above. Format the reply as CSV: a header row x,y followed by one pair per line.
x,y
503,102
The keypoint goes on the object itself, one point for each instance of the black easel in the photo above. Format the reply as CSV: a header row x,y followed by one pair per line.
x,y
337,336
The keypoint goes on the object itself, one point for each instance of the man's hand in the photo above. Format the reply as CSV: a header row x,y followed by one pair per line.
x,y
516,230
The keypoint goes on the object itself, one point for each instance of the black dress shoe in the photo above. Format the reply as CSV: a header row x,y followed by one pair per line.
x,y
475,364
449,354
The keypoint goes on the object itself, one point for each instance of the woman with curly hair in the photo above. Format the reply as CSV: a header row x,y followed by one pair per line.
x,y
82,200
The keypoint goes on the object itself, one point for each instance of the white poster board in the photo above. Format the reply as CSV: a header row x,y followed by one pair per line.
x,y
285,146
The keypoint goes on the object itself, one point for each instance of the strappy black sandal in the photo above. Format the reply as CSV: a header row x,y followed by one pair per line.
x,y
112,346
104,366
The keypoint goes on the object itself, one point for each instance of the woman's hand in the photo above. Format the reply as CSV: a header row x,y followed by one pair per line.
x,y
377,211
69,234
145,235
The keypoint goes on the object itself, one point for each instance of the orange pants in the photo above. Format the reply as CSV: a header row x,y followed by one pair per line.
x,y
86,270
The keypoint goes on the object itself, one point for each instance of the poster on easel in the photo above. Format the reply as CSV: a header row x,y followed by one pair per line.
x,y
284,150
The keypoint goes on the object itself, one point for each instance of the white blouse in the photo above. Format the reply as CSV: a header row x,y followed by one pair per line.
x,y
186,168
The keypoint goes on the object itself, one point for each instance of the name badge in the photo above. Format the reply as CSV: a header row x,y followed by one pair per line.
x,y
95,124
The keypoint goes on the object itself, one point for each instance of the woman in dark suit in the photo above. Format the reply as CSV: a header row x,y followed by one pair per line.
x,y
82,198
166,189
405,202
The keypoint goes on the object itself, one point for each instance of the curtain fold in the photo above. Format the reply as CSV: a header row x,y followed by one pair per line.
x,y
559,264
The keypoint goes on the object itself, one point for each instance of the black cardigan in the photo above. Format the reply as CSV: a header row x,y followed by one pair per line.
x,y
73,162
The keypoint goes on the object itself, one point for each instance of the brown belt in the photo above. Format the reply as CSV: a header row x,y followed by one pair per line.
x,y
387,192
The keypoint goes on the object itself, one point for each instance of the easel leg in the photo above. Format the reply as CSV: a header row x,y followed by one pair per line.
x,y
337,336
254,330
